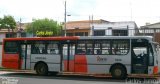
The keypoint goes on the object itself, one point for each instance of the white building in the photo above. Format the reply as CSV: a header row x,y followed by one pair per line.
x,y
124,28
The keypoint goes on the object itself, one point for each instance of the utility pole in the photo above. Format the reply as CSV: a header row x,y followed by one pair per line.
x,y
20,27
20,23
92,27
65,18
131,9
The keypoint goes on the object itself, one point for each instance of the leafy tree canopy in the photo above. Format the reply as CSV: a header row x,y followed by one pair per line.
x,y
44,26
7,22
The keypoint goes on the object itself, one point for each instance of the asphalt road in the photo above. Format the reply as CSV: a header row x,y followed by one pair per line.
x,y
31,78
7,77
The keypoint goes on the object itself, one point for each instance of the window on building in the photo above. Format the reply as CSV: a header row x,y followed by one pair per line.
x,y
99,32
120,32
79,34
69,34
86,33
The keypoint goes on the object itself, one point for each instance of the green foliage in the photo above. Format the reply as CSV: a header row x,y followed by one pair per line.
x,y
0,23
7,22
44,25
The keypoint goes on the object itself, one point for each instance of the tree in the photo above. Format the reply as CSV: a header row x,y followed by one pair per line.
x,y
44,27
8,22
0,23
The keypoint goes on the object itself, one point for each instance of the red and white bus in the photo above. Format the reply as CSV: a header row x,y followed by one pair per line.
x,y
115,55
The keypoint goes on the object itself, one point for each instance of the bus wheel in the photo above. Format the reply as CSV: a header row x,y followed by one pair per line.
x,y
41,69
118,72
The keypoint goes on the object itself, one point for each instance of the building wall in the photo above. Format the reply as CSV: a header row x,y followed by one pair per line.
x,y
2,35
108,27
157,37
78,30
152,30
156,25
82,26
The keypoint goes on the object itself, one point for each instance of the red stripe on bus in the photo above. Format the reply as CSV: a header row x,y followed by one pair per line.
x,y
71,65
11,61
155,70
80,63
65,65
43,38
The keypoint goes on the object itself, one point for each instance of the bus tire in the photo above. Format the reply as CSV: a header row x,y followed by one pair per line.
x,y
41,69
118,72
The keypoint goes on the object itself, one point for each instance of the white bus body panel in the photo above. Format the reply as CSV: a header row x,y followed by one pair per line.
x,y
101,64
150,69
52,60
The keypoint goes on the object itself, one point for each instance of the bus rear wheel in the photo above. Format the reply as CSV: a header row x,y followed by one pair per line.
x,y
118,72
41,69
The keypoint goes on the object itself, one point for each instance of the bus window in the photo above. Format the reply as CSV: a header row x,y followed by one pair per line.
x,y
120,47
81,47
11,47
45,47
89,47
38,47
53,48
106,48
84,47
97,47
140,55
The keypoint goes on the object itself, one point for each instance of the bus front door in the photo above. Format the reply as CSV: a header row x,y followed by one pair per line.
x,y
139,58
25,53
68,57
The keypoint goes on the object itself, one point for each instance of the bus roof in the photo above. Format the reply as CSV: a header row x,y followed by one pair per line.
x,y
150,38
41,38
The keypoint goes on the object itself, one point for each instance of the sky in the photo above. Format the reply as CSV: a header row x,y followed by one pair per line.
x,y
140,11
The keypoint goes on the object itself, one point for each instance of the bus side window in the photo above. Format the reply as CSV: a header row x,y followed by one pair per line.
x,y
53,47
80,51
81,48
120,47
89,51
52,51
98,51
11,47
44,51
